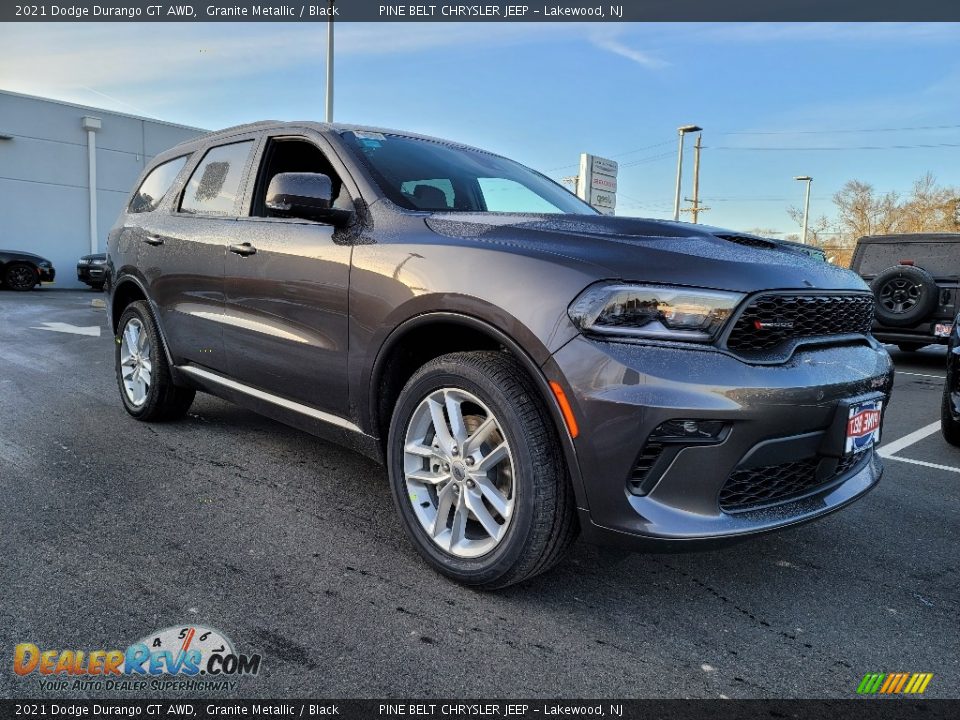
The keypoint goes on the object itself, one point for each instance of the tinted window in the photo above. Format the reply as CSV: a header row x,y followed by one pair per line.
x,y
155,185
429,194
214,186
422,174
937,258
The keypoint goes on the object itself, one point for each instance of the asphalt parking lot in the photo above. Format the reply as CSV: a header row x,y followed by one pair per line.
x,y
114,528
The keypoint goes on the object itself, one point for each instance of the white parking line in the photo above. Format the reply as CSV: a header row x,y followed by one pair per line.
x,y
924,463
939,377
908,440
61,327
888,452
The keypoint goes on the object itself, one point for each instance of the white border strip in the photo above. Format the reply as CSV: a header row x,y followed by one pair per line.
x,y
274,399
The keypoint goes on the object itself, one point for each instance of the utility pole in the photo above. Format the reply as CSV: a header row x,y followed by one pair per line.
x,y
573,180
695,208
329,113
695,212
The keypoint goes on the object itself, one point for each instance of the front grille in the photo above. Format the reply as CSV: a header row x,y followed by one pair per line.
x,y
751,488
774,321
645,461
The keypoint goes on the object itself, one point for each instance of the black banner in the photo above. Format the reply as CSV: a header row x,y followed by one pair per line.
x,y
484,11
859,709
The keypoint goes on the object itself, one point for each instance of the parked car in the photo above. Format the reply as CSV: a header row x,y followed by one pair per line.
x,y
92,270
950,409
916,280
524,366
24,271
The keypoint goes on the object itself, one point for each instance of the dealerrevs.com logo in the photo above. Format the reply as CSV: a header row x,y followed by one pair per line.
x,y
183,658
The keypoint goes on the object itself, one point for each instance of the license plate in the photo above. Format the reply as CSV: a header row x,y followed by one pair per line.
x,y
943,329
863,426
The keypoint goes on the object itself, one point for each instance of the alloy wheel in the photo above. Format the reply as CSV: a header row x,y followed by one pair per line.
x,y
21,277
898,295
459,473
136,361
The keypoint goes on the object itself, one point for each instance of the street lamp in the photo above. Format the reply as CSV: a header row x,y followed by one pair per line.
x,y
806,204
681,131
329,108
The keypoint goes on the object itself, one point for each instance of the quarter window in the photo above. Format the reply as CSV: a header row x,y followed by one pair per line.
x,y
156,185
214,186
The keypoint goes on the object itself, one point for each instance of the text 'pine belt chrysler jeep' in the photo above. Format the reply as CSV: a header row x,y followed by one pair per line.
x,y
526,368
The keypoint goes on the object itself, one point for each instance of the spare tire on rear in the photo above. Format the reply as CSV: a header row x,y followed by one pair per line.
x,y
906,295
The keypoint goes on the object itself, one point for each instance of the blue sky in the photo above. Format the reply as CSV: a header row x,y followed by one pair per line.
x,y
543,93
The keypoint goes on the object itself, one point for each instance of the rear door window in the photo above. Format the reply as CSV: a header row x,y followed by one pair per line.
x,y
214,187
156,185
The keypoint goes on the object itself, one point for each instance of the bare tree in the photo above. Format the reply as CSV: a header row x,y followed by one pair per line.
x,y
928,208
815,227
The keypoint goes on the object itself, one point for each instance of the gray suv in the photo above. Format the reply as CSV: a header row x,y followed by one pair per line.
x,y
526,368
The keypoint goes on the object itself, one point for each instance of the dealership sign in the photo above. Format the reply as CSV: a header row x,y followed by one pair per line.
x,y
597,182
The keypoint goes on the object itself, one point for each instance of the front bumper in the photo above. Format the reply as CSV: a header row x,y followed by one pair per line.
x,y
774,416
92,274
46,274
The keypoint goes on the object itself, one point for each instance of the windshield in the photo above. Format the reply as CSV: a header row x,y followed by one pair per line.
x,y
428,175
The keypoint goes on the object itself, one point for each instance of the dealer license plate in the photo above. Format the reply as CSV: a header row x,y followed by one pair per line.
x,y
863,426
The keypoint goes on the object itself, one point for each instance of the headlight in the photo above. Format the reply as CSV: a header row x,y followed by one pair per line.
x,y
651,311
98,261
44,263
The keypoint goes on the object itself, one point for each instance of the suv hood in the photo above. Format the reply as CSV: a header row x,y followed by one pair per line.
x,y
645,250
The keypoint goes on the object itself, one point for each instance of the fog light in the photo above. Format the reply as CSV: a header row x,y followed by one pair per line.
x,y
687,430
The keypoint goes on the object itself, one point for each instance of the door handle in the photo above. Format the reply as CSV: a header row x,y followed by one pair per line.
x,y
153,240
243,249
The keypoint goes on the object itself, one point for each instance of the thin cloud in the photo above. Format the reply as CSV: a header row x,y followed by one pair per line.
x,y
612,43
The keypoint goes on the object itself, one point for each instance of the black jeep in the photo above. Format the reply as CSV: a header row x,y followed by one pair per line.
x,y
916,280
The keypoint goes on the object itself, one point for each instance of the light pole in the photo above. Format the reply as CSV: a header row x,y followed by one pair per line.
x,y
329,113
806,204
681,131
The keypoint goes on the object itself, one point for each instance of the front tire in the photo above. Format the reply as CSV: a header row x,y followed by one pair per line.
x,y
20,277
143,374
477,472
949,417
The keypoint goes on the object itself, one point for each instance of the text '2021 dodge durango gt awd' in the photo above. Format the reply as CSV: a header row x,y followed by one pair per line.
x,y
526,368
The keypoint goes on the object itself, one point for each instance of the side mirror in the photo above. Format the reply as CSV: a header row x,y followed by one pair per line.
x,y
301,195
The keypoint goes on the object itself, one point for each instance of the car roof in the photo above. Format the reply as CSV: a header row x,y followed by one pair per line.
x,y
196,143
910,237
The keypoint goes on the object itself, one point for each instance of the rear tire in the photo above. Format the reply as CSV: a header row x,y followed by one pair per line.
x,y
143,374
906,295
496,467
20,277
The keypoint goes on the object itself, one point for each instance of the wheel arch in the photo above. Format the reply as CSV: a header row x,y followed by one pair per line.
x,y
459,332
129,289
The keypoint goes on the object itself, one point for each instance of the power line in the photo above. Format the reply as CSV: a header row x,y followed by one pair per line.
x,y
619,154
842,147
846,130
